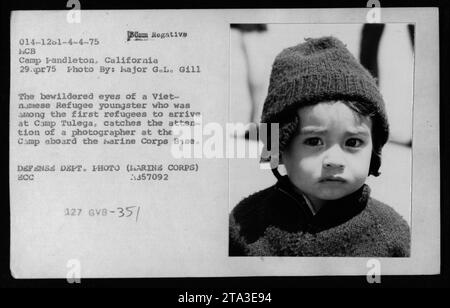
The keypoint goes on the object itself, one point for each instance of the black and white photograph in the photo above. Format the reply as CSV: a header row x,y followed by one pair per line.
x,y
342,95
238,146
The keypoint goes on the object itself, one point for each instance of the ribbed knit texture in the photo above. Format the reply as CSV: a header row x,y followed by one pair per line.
x,y
275,222
315,71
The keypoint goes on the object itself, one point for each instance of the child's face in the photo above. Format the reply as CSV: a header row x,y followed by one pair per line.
x,y
330,157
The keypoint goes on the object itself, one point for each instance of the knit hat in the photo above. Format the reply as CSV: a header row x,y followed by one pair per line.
x,y
321,70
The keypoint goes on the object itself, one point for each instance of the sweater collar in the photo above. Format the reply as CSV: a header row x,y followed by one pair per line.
x,y
332,214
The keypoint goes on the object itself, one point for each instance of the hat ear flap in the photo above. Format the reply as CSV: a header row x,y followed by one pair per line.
x,y
375,164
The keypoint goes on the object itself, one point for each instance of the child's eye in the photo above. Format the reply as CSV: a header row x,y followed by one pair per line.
x,y
314,141
354,142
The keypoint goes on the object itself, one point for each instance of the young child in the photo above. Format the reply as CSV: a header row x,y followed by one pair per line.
x,y
333,126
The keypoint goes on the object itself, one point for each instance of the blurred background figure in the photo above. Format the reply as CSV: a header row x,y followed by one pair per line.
x,y
252,84
370,42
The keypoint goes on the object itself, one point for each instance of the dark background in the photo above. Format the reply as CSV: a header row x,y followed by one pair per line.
x,y
249,284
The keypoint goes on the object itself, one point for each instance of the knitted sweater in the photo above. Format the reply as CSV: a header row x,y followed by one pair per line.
x,y
277,222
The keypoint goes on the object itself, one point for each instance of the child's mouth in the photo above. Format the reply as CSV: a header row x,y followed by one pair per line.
x,y
332,179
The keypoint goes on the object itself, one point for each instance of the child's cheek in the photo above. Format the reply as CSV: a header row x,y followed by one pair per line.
x,y
360,164
311,165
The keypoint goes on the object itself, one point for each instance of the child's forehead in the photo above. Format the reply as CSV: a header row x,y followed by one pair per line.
x,y
331,113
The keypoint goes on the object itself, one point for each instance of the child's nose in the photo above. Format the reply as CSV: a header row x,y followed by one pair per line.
x,y
333,158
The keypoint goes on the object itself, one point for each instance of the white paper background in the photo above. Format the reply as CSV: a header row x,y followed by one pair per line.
x,y
183,229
